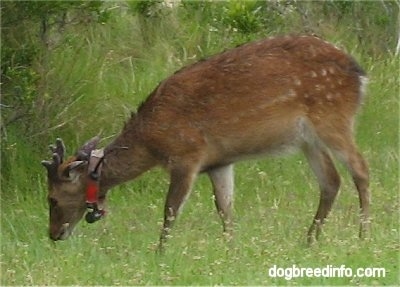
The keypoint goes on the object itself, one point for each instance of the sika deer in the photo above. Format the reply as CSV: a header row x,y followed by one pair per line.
x,y
265,97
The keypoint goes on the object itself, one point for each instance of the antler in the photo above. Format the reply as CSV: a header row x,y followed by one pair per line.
x,y
58,151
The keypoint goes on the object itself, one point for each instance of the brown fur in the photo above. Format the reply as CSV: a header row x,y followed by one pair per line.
x,y
265,97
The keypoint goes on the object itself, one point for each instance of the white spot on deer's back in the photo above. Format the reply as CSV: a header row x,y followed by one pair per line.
x,y
291,93
323,72
285,96
296,81
313,51
313,74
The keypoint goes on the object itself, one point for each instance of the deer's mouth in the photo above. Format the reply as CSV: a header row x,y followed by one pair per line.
x,y
61,233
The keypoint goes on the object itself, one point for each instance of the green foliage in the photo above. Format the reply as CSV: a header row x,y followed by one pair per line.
x,y
32,29
146,8
47,12
16,68
245,16
368,22
24,82
341,8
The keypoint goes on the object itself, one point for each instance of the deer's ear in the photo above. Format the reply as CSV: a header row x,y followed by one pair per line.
x,y
84,151
75,169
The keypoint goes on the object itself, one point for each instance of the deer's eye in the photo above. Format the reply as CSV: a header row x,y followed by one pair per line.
x,y
52,201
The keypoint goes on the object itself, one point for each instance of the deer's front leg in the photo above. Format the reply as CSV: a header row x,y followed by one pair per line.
x,y
223,185
179,189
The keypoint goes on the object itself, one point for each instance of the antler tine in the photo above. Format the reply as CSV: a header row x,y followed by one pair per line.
x,y
59,149
52,166
47,164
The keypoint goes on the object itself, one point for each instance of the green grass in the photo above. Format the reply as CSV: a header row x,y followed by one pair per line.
x,y
275,198
272,213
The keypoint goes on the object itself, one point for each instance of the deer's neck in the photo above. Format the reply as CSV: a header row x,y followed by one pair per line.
x,y
127,159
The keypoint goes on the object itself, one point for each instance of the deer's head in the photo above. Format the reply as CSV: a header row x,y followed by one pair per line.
x,y
67,182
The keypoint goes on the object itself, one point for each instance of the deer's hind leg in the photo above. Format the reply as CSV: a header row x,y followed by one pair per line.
x,y
346,151
329,182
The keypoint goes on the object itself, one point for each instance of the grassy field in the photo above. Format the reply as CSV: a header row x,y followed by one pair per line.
x,y
275,198
274,204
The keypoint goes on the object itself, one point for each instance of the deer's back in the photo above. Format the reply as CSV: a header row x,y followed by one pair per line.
x,y
260,90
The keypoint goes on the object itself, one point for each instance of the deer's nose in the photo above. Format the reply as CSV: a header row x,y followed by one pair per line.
x,y
55,236
59,233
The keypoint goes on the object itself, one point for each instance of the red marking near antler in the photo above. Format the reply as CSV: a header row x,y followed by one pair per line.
x,y
91,191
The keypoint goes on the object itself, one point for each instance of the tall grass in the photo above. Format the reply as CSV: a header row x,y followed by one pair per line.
x,y
101,73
